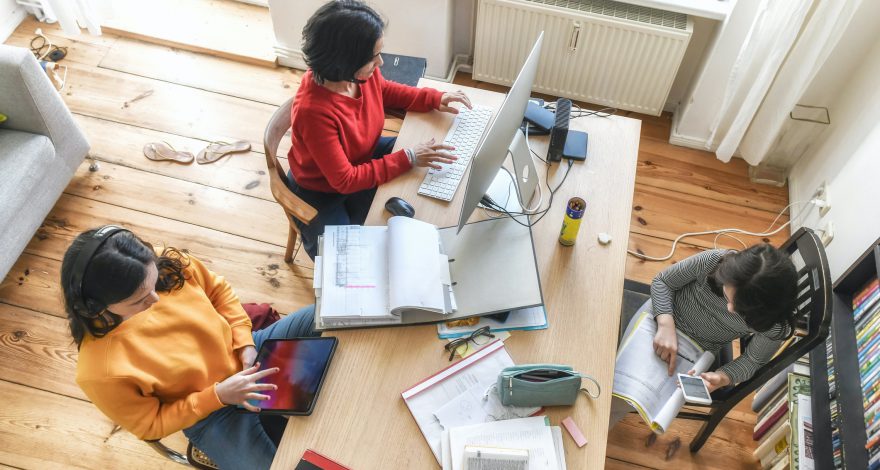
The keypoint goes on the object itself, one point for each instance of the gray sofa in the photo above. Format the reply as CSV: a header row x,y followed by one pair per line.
x,y
40,148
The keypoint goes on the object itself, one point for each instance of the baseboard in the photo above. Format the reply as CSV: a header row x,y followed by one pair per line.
x,y
289,57
8,27
687,141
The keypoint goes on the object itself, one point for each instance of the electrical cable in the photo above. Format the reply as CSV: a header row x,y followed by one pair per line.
x,y
726,232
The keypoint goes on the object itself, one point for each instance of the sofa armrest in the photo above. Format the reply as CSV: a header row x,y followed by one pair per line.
x,y
33,105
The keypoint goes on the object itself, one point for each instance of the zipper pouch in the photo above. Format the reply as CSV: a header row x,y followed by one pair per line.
x,y
542,385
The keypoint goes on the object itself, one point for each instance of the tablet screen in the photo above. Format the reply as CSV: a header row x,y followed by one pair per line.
x,y
302,365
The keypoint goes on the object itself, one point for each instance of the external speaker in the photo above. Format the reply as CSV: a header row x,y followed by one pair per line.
x,y
560,130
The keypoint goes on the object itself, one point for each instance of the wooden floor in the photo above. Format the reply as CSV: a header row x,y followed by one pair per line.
x,y
125,93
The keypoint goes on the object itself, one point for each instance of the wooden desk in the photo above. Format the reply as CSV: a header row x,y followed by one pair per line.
x,y
361,420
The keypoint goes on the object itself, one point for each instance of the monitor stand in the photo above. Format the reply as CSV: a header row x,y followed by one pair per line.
x,y
502,190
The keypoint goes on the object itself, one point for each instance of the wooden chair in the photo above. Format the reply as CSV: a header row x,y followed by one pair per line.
x,y
293,206
814,303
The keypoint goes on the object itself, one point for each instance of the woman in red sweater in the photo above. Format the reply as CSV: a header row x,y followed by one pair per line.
x,y
338,157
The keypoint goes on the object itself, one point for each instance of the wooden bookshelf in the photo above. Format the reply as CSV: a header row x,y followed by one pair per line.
x,y
844,384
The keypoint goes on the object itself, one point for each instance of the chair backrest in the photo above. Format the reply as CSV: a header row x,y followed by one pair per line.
x,y
275,131
814,304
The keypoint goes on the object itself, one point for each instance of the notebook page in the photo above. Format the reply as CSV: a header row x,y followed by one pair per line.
x,y
414,267
354,272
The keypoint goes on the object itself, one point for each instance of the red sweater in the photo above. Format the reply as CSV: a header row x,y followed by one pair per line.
x,y
334,136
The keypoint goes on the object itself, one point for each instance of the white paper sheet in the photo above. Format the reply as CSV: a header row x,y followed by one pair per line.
x,y
355,272
532,434
560,449
642,378
414,266
427,397
479,404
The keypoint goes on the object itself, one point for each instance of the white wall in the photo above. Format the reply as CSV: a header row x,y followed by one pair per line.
x,y
415,28
11,15
847,157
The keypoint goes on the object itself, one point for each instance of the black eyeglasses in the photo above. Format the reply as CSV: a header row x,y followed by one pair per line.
x,y
479,337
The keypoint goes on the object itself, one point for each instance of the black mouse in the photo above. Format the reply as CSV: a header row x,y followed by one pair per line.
x,y
397,206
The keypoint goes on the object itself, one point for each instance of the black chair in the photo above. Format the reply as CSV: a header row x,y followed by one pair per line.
x,y
814,317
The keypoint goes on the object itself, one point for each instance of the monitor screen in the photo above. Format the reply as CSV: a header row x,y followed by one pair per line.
x,y
492,151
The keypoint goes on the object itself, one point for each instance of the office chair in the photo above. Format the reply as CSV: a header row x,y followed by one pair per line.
x,y
814,316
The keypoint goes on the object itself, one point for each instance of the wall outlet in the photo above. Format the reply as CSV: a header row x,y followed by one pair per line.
x,y
826,233
821,194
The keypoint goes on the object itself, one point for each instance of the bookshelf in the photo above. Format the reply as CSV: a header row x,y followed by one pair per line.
x,y
839,430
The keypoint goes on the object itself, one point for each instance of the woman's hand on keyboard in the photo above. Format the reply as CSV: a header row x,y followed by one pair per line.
x,y
430,153
454,97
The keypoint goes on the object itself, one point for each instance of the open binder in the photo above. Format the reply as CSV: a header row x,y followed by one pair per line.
x,y
411,272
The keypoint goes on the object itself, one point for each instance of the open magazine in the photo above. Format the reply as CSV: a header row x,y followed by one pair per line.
x,y
642,379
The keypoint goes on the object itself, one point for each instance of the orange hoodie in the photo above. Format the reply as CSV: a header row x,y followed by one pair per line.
x,y
155,373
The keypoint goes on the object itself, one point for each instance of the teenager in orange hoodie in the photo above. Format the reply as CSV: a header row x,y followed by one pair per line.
x,y
165,345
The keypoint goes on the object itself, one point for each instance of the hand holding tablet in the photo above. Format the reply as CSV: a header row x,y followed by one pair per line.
x,y
243,388
291,372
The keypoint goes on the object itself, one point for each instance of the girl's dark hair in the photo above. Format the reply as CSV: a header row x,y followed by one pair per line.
x,y
113,274
765,280
339,39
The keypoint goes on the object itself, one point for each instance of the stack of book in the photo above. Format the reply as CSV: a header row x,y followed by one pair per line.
x,y
866,316
784,420
836,443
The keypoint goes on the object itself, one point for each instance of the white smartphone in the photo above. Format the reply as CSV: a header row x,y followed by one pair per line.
x,y
694,389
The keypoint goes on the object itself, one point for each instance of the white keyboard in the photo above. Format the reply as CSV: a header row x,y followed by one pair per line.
x,y
464,135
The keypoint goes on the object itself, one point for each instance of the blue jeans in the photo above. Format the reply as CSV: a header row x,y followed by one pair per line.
x,y
233,439
336,209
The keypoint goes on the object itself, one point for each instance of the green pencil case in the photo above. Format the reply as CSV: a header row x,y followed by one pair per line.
x,y
542,385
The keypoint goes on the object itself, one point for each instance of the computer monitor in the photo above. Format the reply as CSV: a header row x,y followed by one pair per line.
x,y
504,135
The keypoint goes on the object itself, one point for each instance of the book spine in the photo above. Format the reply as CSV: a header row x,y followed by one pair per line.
x,y
770,421
864,292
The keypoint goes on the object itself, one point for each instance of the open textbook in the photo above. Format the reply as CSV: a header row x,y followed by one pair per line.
x,y
371,275
642,378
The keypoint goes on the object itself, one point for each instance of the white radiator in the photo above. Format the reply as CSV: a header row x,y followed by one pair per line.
x,y
598,51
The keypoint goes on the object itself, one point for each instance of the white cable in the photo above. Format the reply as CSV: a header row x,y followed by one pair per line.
x,y
725,232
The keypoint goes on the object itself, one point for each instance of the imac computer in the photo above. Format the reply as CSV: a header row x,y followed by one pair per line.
x,y
504,136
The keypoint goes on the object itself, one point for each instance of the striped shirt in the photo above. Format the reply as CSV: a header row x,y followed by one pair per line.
x,y
683,291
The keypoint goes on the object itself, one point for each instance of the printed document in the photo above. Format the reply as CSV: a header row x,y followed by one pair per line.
x,y
642,379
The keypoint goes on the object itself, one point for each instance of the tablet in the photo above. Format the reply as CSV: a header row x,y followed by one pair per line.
x,y
302,364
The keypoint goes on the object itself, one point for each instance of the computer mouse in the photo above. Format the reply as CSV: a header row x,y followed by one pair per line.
x,y
397,206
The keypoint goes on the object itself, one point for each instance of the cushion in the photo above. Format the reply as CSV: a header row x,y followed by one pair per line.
x,y
31,179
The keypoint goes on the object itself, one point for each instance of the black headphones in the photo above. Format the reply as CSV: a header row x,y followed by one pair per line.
x,y
81,262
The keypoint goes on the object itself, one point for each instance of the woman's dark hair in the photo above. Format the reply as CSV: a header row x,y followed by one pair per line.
x,y
339,39
766,286
115,272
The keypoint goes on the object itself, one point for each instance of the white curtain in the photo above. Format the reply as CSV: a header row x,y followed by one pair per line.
x,y
773,69
73,15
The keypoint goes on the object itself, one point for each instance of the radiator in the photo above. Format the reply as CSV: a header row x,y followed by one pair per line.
x,y
599,51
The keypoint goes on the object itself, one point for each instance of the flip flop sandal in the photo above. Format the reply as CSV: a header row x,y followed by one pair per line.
x,y
217,150
162,151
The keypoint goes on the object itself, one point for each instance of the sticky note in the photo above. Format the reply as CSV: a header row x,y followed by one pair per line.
x,y
574,431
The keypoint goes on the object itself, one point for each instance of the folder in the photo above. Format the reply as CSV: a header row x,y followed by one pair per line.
x,y
492,268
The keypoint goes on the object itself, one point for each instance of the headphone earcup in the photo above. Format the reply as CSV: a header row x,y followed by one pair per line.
x,y
91,309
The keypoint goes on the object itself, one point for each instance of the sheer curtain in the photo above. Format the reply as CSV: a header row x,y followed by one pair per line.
x,y
785,48
73,15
